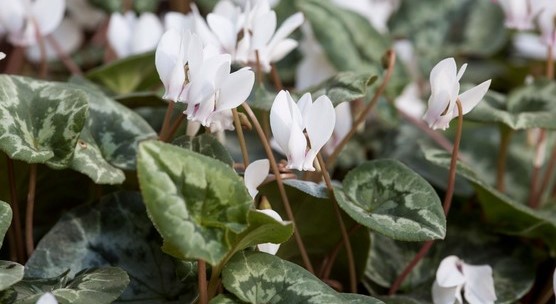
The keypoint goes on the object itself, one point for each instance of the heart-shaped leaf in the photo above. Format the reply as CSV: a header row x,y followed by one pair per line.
x,y
391,199
40,121
193,200
255,277
114,232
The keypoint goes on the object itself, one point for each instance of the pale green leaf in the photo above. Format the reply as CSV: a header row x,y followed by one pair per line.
x,y
40,121
5,220
114,232
10,273
256,277
193,200
391,199
205,144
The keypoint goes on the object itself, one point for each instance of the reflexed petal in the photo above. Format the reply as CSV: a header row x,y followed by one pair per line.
x,y
479,286
281,49
235,89
146,33
195,56
448,274
224,30
47,298
270,248
169,63
287,27
461,71
344,120
437,105
12,16
320,122
281,120
48,14
470,98
305,105
263,29
119,35
444,295
443,75
201,27
255,175
297,146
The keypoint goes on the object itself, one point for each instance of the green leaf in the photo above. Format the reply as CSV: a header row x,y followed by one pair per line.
x,y
317,225
225,299
91,286
391,199
527,107
261,97
134,73
5,220
116,129
345,86
193,200
513,268
10,273
348,39
205,144
256,277
506,215
262,229
40,121
114,232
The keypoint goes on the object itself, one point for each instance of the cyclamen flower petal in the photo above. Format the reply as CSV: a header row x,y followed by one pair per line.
x,y
519,13
453,276
129,35
288,121
255,175
546,23
270,248
47,298
344,122
444,82
170,60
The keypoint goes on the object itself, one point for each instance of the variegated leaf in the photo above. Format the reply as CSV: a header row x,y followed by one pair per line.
x,y
40,121
5,220
10,273
391,199
193,200
255,277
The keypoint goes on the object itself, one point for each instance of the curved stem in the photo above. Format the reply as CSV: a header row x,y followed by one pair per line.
x,y
505,139
279,182
167,118
43,71
202,281
539,147
276,78
15,61
19,245
345,236
65,58
241,138
329,261
434,135
29,242
361,118
175,127
446,205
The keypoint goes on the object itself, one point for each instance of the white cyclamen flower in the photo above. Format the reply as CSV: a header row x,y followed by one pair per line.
x,y
444,82
546,22
270,248
170,60
453,276
129,34
288,120
24,19
47,298
520,13
377,12
68,36
255,175
344,122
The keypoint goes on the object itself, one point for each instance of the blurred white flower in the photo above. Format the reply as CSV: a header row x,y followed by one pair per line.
x,y
47,298
520,13
315,67
2,55
23,19
130,35
453,276
270,248
178,21
68,36
444,82
344,122
255,175
529,45
288,120
546,22
377,12
88,16
410,101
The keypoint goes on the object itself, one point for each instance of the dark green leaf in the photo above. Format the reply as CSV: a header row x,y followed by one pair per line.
x,y
345,86
40,121
256,277
193,200
114,232
134,73
391,199
205,144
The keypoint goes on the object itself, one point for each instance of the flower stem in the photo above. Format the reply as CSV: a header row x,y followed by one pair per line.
x,y
174,128
19,245
241,138
539,147
281,188
15,61
276,78
446,205
29,242
505,139
434,135
363,115
549,63
43,71
258,69
65,58
215,279
167,118
345,236
202,281
330,259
